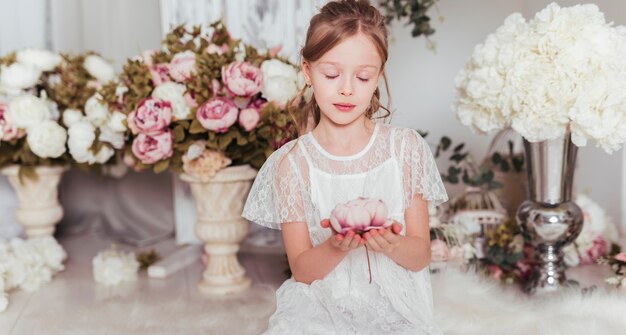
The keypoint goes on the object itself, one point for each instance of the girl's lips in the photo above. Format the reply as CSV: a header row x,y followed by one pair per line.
x,y
344,107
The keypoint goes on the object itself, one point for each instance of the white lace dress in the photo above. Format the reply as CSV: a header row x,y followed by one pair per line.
x,y
301,182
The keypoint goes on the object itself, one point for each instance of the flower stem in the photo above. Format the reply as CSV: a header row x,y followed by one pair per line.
x,y
369,266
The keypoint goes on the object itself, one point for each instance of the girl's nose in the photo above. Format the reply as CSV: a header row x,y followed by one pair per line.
x,y
346,88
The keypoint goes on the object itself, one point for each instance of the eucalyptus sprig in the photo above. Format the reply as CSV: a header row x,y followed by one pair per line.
x,y
414,11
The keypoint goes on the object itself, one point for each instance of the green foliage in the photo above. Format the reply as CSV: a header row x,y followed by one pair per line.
x,y
414,11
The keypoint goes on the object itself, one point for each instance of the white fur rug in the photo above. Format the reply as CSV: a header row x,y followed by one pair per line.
x,y
464,304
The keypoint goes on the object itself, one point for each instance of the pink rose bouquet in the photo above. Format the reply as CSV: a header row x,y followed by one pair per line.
x,y
359,215
199,88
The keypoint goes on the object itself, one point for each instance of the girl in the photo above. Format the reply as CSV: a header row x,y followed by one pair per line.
x,y
346,156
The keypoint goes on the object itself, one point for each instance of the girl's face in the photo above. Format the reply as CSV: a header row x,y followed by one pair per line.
x,y
344,79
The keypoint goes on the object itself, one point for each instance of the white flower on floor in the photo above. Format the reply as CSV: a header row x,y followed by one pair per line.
x,y
51,251
111,267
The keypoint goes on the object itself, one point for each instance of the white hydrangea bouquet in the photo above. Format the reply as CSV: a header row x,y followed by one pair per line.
x,y
565,68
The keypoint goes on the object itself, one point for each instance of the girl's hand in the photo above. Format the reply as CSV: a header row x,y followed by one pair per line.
x,y
345,243
383,240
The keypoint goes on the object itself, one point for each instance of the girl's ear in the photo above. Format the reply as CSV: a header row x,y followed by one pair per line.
x,y
306,72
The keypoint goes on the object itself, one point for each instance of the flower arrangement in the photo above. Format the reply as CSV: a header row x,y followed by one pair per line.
x,y
203,102
42,93
563,69
617,262
28,265
112,267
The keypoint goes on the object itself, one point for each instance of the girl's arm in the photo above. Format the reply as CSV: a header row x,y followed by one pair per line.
x,y
411,251
310,263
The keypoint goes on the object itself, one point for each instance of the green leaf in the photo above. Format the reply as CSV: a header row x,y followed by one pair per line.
x,y
445,143
161,166
459,147
496,158
458,157
504,166
518,163
196,127
179,133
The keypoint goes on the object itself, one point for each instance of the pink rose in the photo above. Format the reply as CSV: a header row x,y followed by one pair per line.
x,y
597,249
217,114
438,251
495,271
242,79
8,131
190,100
621,257
159,73
150,149
151,116
249,118
183,66
359,215
216,87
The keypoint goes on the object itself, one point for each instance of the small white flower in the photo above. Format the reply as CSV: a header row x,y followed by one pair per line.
x,y
99,68
195,150
116,122
240,54
47,139
19,76
111,267
174,93
116,139
81,136
71,116
96,112
51,252
44,60
103,155
27,111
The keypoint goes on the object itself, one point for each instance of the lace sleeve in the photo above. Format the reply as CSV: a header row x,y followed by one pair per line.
x,y
420,172
277,193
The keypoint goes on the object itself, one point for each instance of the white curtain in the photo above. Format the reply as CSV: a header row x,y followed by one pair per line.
x,y
261,23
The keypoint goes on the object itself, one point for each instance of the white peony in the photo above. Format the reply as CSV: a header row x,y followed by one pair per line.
x,y
116,122
81,137
47,139
19,76
51,251
103,155
44,60
174,93
111,267
280,81
96,112
71,116
116,139
27,111
562,69
99,68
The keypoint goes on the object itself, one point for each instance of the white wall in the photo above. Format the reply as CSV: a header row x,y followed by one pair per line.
x,y
421,84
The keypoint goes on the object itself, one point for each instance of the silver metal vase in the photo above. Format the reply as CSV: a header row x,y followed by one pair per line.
x,y
549,219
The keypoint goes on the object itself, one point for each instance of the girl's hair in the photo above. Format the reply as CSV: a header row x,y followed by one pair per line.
x,y
335,22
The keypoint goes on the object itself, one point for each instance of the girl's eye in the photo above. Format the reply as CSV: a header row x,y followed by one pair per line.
x,y
365,80
331,77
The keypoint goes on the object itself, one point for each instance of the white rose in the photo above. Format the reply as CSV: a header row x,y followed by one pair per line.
x,y
18,76
44,60
71,116
116,122
280,81
47,139
108,135
104,154
27,111
99,68
174,93
111,267
81,136
97,112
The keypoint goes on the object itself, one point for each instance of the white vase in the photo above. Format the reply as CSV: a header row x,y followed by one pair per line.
x,y
219,225
38,208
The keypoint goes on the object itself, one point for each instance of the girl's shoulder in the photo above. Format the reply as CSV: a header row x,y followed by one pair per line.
x,y
400,137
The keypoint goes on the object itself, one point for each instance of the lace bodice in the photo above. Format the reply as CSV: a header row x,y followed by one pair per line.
x,y
302,182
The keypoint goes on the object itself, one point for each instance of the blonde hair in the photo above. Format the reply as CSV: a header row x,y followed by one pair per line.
x,y
335,22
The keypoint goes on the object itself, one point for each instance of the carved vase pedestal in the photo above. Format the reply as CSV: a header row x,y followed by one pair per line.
x,y
221,228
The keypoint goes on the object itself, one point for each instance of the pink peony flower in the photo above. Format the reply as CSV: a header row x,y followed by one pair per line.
x,y
621,257
217,114
151,116
8,131
216,87
597,249
438,250
242,79
151,148
159,73
183,66
359,215
190,100
249,118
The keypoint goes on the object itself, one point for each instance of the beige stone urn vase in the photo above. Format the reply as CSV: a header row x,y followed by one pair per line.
x,y
38,208
221,228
